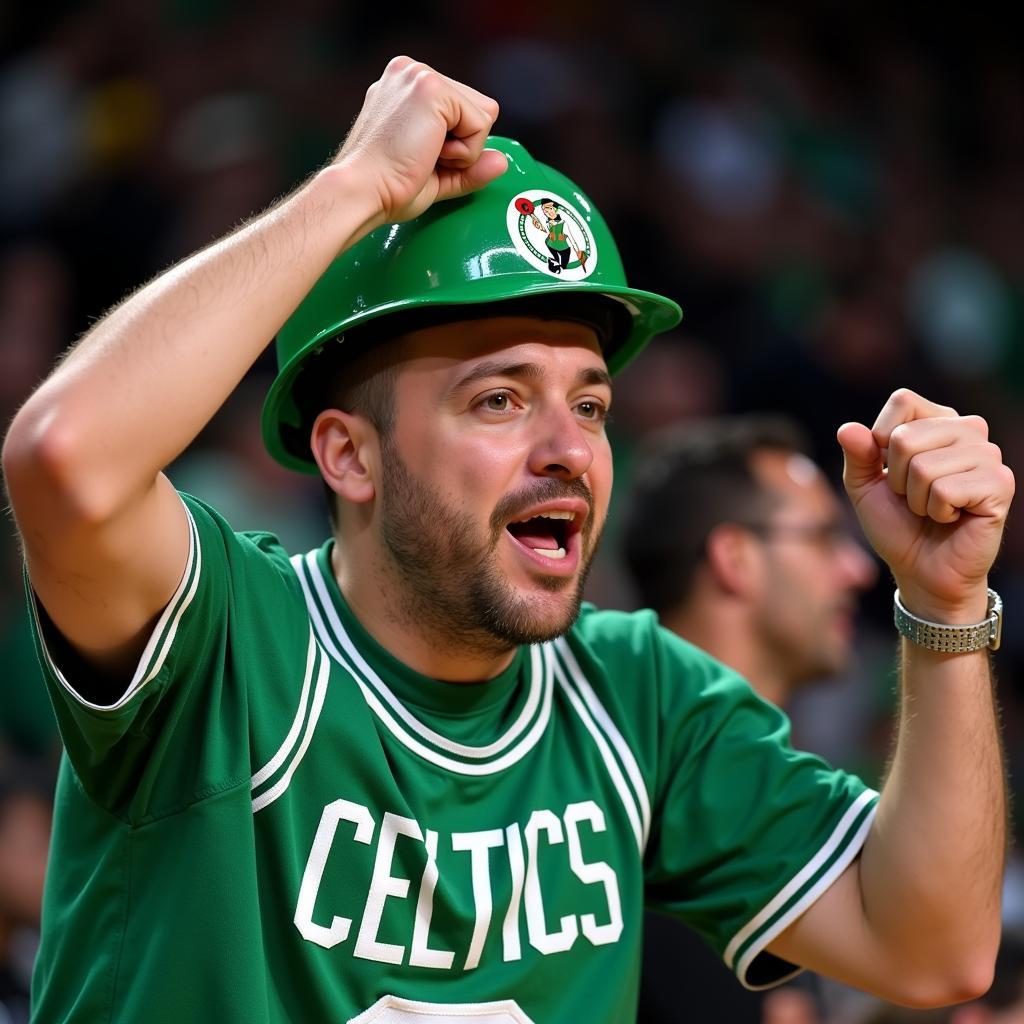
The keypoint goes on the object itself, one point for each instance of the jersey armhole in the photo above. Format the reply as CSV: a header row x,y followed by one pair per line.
x,y
745,954
154,654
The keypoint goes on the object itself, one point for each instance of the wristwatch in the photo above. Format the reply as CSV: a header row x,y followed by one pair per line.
x,y
952,639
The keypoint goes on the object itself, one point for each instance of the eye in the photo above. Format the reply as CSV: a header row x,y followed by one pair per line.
x,y
591,409
497,402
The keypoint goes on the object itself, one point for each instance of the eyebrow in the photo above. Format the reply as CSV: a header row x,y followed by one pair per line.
x,y
590,375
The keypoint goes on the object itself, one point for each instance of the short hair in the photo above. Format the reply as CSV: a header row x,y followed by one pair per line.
x,y
689,479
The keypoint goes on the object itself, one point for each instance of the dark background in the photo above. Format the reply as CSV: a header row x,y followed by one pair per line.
x,y
834,192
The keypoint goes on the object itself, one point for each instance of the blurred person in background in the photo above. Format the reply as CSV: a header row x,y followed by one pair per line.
x,y
34,315
759,568
25,815
760,571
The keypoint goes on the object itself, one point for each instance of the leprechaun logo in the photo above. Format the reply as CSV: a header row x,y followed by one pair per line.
x,y
551,234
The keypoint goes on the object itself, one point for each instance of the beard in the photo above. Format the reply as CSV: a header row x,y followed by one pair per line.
x,y
450,585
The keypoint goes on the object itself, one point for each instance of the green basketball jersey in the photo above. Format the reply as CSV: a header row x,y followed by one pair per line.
x,y
277,821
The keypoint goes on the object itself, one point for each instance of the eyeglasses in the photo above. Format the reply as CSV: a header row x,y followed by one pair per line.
x,y
830,535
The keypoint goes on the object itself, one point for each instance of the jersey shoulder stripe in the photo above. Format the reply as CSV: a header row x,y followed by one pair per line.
x,y
614,771
318,665
603,720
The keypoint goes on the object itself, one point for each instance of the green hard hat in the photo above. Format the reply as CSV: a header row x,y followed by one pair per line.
x,y
529,239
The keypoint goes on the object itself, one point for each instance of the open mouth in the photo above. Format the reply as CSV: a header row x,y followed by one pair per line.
x,y
548,534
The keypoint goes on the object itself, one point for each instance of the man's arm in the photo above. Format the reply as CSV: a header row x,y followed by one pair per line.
x,y
105,535
916,919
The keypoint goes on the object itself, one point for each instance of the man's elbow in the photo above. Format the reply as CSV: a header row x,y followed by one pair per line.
x,y
967,980
45,469
35,454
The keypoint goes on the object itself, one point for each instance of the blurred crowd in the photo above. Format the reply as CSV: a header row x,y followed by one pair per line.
x,y
834,194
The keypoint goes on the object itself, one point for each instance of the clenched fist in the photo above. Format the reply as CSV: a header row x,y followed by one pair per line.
x,y
932,494
419,138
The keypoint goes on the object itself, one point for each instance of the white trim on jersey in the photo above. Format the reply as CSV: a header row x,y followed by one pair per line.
x,y
425,732
628,802
314,656
842,846
541,668
612,733
160,640
293,733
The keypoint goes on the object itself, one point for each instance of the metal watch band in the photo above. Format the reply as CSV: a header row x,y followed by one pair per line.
x,y
952,639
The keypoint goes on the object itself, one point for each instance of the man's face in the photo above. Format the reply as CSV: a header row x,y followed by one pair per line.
x,y
496,479
812,570
550,211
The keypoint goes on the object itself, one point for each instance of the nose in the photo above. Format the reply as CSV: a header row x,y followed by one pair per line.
x,y
859,569
562,447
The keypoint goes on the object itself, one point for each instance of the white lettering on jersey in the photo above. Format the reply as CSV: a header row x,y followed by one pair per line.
x,y
478,844
421,955
536,926
544,828
592,874
383,885
511,949
340,810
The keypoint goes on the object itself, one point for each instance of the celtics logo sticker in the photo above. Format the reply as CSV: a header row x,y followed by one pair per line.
x,y
551,235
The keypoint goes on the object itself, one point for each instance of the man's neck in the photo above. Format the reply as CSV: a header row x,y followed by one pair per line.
x,y
370,594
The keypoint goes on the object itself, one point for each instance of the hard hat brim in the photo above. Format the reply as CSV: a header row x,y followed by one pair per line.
x,y
287,437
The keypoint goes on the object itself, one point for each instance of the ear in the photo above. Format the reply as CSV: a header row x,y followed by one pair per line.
x,y
345,447
734,559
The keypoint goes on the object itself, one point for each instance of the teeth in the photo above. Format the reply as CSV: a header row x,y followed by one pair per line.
x,y
556,514
548,553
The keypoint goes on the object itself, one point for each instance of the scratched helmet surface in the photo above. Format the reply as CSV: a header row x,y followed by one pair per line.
x,y
528,237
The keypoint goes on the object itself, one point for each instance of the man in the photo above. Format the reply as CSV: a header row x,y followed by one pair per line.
x,y
400,777
759,570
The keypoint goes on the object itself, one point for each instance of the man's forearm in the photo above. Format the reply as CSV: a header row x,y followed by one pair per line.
x,y
143,383
931,870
